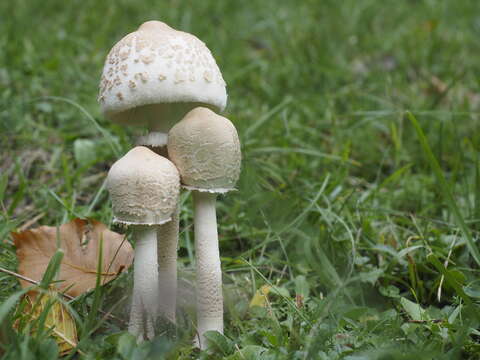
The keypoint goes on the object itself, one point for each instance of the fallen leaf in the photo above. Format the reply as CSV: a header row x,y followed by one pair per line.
x,y
79,239
58,319
437,85
260,297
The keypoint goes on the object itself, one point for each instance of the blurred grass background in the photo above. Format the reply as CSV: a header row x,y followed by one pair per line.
x,y
337,207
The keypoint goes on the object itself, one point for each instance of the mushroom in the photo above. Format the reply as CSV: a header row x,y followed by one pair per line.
x,y
144,188
153,77
206,150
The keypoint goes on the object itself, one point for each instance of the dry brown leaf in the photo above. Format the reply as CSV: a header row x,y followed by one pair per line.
x,y
260,297
58,319
79,239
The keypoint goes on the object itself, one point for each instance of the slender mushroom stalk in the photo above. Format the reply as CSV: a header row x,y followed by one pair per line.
x,y
209,272
144,188
205,148
153,77
145,282
167,265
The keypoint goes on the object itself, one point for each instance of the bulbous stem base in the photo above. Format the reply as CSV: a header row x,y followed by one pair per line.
x,y
144,309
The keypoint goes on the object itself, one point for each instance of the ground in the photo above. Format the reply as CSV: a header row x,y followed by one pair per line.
x,y
361,218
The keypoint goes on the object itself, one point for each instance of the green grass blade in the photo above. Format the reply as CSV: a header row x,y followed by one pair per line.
x,y
96,198
452,282
8,304
111,141
298,220
92,323
3,186
445,187
52,269
289,302
252,128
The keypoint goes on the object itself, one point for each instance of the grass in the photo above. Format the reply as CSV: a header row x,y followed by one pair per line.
x,y
363,219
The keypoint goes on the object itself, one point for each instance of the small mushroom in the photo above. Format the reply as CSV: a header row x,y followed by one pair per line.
x,y
144,188
206,150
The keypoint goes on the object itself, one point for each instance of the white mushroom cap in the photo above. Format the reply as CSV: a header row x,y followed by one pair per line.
x,y
156,65
144,188
206,150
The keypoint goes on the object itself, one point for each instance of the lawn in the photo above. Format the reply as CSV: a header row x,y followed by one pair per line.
x,y
358,204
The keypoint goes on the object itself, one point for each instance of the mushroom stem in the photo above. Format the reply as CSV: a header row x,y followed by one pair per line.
x,y
145,279
209,273
158,130
167,245
167,242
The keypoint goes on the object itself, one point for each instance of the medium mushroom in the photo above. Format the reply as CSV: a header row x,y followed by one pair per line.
x,y
153,77
206,150
144,188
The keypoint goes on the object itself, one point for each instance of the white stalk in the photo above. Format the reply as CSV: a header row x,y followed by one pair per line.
x,y
167,245
167,242
209,274
145,286
161,119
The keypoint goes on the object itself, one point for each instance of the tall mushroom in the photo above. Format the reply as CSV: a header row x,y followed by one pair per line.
x,y
153,77
206,150
144,188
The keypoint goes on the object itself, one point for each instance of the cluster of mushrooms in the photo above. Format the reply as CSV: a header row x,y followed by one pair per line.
x,y
169,82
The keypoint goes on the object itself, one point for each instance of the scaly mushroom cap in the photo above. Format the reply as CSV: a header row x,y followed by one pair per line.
x,y
156,65
144,188
206,151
